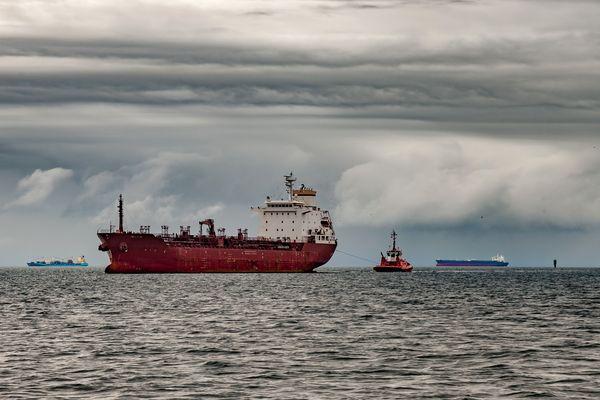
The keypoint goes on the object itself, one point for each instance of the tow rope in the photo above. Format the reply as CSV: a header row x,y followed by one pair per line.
x,y
355,256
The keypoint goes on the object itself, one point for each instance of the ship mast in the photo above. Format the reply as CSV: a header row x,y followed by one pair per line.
x,y
393,236
289,184
120,208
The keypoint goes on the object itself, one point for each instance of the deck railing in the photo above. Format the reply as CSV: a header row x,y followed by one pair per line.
x,y
178,236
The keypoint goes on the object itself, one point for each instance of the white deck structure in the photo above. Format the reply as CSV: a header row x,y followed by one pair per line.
x,y
296,219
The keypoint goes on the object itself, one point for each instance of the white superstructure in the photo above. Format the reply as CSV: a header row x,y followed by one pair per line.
x,y
296,219
499,257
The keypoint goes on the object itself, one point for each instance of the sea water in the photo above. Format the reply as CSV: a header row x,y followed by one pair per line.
x,y
335,334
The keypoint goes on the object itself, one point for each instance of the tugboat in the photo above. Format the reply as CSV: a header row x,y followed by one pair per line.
x,y
393,261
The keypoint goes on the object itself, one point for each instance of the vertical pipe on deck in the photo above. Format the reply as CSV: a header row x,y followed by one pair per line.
x,y
120,213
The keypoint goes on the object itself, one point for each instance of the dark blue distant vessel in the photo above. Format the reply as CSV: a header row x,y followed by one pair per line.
x,y
497,261
80,262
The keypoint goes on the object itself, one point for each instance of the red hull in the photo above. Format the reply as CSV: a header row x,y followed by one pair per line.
x,y
147,253
400,265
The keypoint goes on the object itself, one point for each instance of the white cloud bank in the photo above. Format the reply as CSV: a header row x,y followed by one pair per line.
x,y
480,182
145,185
36,188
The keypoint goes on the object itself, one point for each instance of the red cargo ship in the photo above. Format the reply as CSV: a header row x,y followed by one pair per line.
x,y
295,235
393,261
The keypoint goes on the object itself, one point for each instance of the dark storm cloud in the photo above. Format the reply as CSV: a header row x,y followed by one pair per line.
x,y
399,52
476,75
472,80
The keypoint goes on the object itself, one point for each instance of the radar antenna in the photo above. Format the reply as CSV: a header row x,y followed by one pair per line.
x,y
289,184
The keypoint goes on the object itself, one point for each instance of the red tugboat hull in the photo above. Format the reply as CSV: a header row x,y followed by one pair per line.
x,y
148,253
400,266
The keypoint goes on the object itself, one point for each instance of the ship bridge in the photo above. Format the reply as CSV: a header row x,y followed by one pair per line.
x,y
297,218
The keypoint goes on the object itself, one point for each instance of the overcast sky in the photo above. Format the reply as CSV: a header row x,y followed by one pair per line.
x,y
471,127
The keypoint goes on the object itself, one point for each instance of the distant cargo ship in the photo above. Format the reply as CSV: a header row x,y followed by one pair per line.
x,y
295,235
79,262
497,261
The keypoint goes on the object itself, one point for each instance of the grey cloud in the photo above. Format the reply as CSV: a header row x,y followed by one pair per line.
x,y
259,13
385,51
37,186
332,5
473,182
439,101
486,79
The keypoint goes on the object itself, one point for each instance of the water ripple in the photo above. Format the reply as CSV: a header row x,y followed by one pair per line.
x,y
517,333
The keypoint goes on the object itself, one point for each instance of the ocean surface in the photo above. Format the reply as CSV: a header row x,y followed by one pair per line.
x,y
336,334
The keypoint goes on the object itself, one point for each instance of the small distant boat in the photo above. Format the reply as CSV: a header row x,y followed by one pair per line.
x,y
393,261
79,262
497,261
